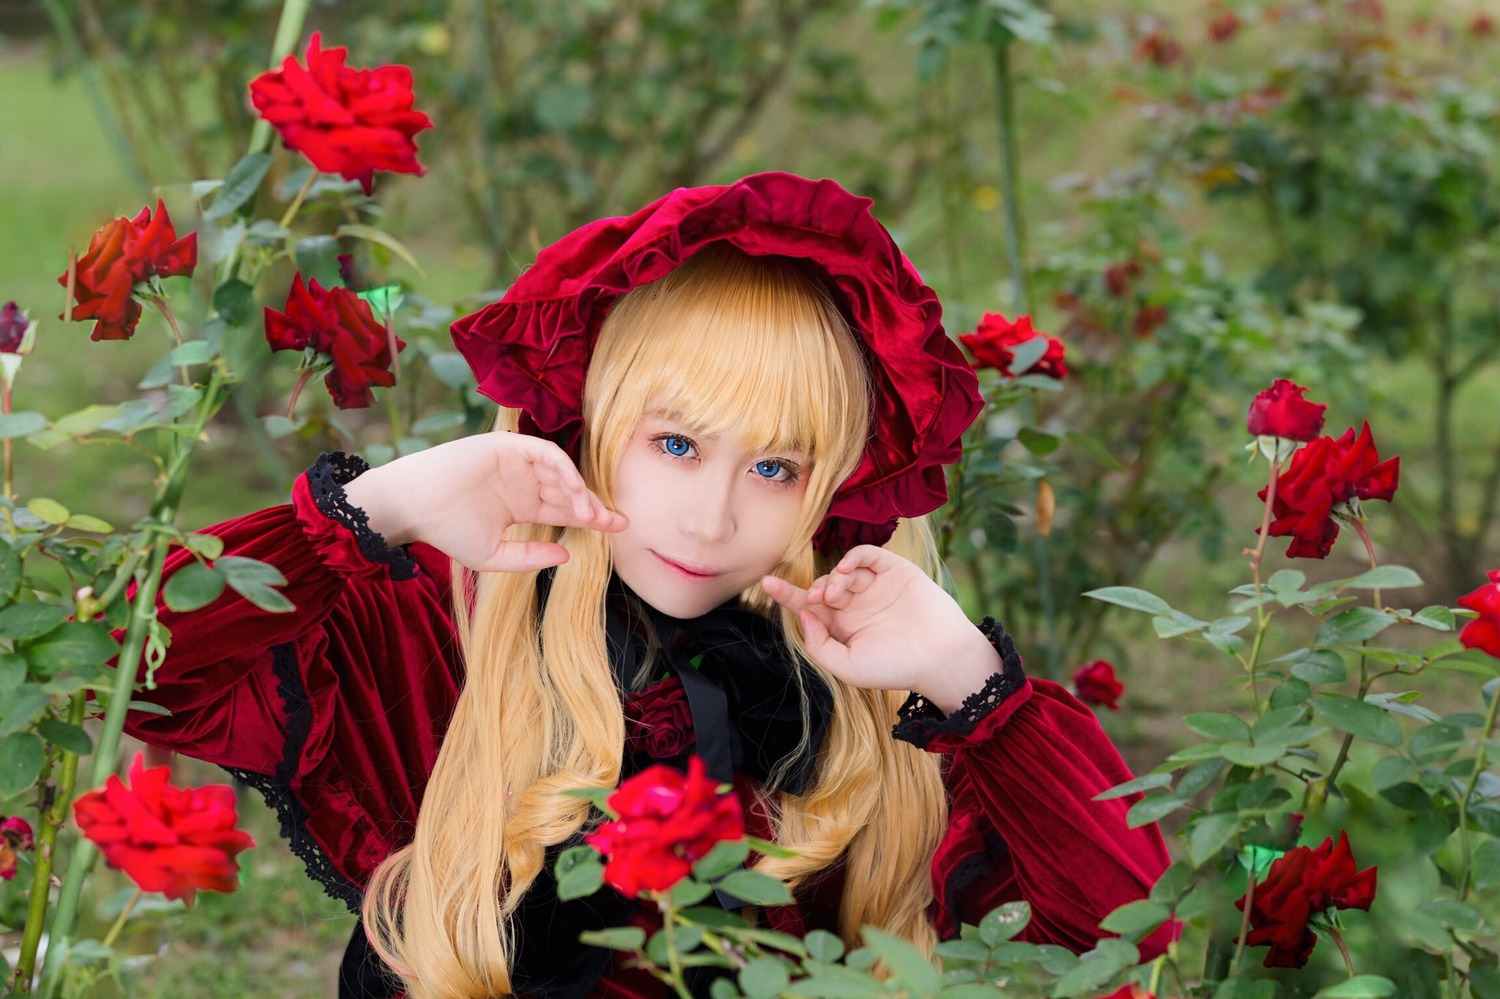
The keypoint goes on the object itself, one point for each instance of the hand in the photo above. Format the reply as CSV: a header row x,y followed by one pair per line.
x,y
877,620
462,496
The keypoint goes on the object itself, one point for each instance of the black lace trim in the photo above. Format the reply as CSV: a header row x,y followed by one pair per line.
x,y
277,788
327,478
921,720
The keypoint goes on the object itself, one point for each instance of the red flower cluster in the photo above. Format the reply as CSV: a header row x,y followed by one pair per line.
x,y
1303,883
994,342
347,121
1096,683
1224,27
666,821
1160,49
1281,411
15,834
1483,633
120,256
168,839
657,721
338,324
14,325
1327,479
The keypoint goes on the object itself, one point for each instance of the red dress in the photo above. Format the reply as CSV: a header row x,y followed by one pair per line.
x,y
336,711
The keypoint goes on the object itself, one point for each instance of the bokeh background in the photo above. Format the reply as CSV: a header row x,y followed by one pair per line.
x,y
1194,196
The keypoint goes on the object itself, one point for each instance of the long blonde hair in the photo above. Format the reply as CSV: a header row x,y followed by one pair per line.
x,y
752,346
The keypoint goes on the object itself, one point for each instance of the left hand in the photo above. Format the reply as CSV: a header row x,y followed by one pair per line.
x,y
876,620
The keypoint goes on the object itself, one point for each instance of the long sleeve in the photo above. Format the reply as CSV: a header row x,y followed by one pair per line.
x,y
1025,760
334,710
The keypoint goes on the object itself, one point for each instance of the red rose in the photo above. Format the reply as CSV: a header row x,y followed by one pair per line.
x,y
121,255
992,345
1118,277
1224,27
1096,683
1483,633
168,839
15,834
338,324
1131,991
14,325
1303,883
1327,479
666,821
1148,319
1160,49
658,722
1281,411
347,121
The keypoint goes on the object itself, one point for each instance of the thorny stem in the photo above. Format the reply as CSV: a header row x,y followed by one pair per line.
x,y
1463,803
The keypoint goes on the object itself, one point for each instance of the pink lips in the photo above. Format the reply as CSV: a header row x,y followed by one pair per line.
x,y
688,570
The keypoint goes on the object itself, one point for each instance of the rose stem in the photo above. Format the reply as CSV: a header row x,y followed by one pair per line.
x,y
291,211
1338,938
114,931
1239,947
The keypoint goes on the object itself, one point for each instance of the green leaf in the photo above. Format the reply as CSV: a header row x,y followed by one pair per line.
x,y
764,978
682,938
581,880
1321,666
1358,718
1136,918
20,763
48,511
194,585
1177,623
86,420
1436,617
355,230
317,258
824,946
689,892
1199,776
69,737
1092,447
1152,808
1239,988
1144,783
1359,987
756,888
12,673
10,571
22,708
1454,914
1096,967
725,856
191,352
913,969
1038,442
1285,581
24,621
240,185
1245,755
209,546
90,524
1210,834
766,848
1384,577
76,645
1354,625
1484,980
630,938
962,950
1004,922
1218,725
1132,598
1485,866
235,301
1390,771
21,424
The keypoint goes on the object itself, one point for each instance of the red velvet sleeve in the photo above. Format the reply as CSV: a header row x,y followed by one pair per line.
x,y
334,710
1022,825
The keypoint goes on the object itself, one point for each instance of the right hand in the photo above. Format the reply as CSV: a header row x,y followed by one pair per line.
x,y
460,497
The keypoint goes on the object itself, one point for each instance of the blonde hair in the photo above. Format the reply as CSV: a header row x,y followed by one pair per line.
x,y
732,343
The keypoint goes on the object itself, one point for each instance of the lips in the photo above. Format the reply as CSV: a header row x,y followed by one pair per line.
x,y
690,569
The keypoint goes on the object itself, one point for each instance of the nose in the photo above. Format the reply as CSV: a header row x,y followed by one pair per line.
x,y
708,509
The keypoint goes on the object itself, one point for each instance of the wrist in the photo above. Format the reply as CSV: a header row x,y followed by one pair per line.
x,y
962,673
370,492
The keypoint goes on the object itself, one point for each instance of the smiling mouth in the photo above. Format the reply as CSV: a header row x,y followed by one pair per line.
x,y
689,570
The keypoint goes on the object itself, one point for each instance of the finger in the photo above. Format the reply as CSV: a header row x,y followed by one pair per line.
x,y
861,555
788,595
524,556
825,650
846,585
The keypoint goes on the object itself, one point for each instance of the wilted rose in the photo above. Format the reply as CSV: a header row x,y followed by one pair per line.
x,y
993,345
347,121
15,326
1483,632
15,836
339,325
1281,411
1326,480
167,839
1096,683
1303,883
666,821
121,255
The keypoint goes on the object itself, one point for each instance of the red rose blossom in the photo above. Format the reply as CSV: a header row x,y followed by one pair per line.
x,y
121,255
14,325
666,821
658,722
993,344
1281,411
1302,883
167,839
1483,633
1224,27
338,324
15,835
1160,49
1325,480
347,121
1118,277
1149,319
1096,683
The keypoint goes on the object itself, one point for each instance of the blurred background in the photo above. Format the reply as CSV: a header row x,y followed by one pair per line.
x,y
1195,197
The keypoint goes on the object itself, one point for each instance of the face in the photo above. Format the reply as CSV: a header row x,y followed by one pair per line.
x,y
707,517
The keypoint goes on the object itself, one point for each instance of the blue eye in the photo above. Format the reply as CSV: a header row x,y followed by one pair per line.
x,y
769,469
676,446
